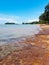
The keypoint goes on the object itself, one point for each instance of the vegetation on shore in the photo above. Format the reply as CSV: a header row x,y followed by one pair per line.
x,y
43,18
35,22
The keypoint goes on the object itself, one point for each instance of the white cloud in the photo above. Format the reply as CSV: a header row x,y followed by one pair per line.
x,y
17,19
9,18
31,20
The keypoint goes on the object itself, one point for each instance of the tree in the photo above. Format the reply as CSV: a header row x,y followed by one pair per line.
x,y
47,8
45,15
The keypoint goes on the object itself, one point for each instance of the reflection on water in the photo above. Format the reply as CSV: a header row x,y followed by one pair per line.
x,y
13,32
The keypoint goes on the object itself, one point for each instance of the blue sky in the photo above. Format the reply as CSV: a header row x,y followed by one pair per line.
x,y
21,10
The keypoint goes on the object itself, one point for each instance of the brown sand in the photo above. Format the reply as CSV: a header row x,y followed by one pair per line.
x,y
34,51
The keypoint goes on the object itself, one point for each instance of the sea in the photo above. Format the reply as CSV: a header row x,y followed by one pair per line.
x,y
12,33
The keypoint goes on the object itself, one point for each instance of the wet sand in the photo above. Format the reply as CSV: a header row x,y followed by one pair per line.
x,y
30,51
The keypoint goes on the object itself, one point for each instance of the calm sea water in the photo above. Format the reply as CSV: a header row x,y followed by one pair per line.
x,y
10,33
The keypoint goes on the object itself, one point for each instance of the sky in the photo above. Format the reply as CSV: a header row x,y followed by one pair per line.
x,y
19,11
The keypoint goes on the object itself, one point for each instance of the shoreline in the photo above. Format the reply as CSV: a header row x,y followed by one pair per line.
x,y
34,50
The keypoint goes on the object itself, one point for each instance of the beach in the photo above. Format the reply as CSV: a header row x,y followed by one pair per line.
x,y
32,50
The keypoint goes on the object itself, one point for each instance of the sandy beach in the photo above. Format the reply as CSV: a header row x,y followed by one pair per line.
x,y
29,51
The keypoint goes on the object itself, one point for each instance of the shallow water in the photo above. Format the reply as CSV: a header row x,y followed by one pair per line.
x,y
10,33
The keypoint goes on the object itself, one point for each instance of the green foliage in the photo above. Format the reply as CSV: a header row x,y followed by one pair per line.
x,y
45,15
47,8
35,22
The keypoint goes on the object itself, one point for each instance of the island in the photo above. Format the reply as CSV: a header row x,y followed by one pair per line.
x,y
9,23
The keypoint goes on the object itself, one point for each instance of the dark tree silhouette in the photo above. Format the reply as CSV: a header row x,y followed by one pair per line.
x,y
45,15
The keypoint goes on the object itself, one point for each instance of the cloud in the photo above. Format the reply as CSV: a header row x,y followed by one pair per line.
x,y
31,20
9,18
16,19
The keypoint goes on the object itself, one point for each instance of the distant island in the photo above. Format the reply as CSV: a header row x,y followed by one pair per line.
x,y
9,23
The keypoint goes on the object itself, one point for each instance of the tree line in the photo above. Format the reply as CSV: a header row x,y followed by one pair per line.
x,y
44,18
